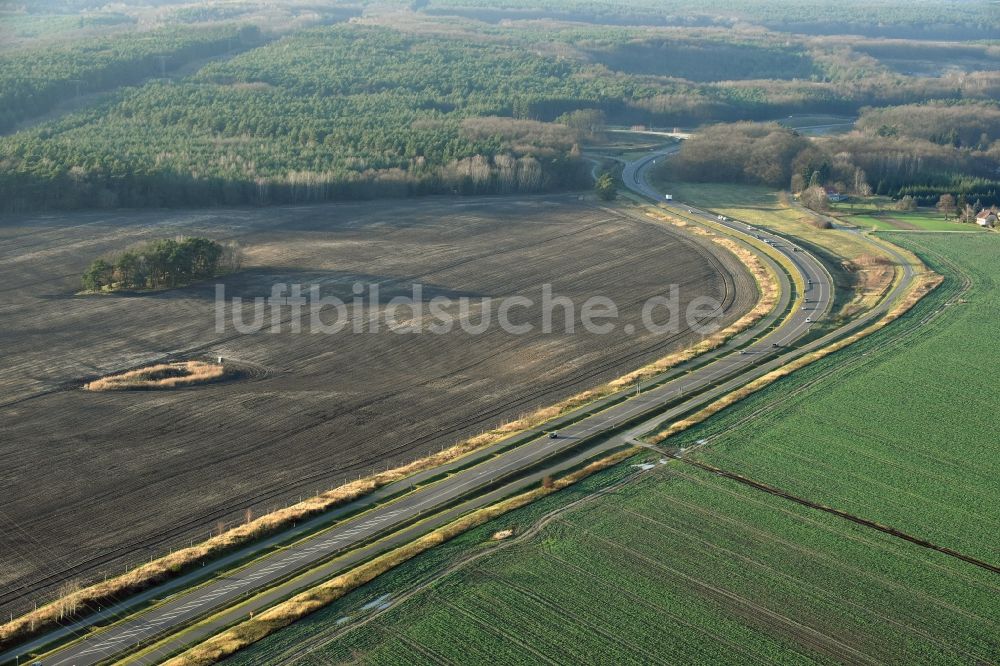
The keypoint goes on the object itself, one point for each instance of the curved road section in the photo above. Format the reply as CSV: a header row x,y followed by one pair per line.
x,y
418,504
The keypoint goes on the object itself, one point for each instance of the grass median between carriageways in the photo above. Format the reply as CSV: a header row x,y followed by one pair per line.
x,y
723,235
169,566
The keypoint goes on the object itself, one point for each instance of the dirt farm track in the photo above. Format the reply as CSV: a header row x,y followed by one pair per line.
x,y
92,482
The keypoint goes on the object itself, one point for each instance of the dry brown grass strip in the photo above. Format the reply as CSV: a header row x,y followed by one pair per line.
x,y
770,292
160,376
228,642
175,563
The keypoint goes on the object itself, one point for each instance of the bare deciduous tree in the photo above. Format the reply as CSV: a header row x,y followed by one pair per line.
x,y
815,198
946,204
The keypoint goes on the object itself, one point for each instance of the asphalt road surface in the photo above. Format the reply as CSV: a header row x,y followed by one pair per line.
x,y
316,557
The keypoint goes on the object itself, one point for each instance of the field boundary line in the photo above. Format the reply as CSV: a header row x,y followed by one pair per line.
x,y
864,522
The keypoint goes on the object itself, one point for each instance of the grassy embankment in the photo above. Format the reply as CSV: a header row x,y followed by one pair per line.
x,y
692,565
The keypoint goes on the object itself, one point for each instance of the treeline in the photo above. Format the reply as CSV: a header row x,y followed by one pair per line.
x,y
858,163
960,124
161,263
713,59
934,19
900,166
354,111
752,153
693,77
32,81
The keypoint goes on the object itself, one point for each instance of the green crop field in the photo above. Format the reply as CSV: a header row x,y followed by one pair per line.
x,y
916,221
681,566
906,437
870,222
929,220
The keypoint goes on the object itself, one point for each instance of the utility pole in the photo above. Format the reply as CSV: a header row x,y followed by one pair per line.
x,y
637,389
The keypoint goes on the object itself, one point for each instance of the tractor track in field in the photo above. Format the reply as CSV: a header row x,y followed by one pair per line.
x,y
744,606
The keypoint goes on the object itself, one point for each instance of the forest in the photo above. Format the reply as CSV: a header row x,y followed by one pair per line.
x,y
752,153
32,81
712,57
331,113
407,103
961,124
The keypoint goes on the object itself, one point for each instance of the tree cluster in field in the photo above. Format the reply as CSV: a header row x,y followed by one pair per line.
x,y
161,263
606,187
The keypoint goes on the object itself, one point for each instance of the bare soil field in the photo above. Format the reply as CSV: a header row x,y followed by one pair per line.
x,y
95,481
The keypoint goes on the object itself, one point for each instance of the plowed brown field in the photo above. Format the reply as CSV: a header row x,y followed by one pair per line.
x,y
92,482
